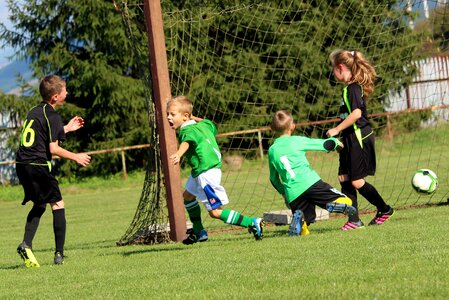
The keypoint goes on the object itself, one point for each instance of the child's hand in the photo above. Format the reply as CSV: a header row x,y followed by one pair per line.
x,y
339,146
332,132
74,124
175,158
82,159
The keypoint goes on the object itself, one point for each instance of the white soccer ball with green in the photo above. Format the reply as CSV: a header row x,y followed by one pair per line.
x,y
425,181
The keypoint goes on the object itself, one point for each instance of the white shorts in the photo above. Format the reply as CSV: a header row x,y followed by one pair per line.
x,y
208,189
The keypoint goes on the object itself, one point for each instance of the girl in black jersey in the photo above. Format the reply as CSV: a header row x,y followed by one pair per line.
x,y
358,158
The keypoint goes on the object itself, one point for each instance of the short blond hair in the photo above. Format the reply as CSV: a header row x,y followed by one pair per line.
x,y
51,85
183,103
282,120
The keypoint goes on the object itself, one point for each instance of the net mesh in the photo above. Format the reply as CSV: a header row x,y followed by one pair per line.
x,y
239,64
150,222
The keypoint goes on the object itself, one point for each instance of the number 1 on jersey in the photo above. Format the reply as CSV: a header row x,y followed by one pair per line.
x,y
286,163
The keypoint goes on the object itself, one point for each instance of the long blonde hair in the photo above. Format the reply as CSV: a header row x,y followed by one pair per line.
x,y
361,69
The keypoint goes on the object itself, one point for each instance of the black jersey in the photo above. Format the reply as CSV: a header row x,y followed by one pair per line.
x,y
353,96
42,126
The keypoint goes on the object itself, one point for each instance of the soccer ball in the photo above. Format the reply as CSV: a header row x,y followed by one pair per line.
x,y
425,181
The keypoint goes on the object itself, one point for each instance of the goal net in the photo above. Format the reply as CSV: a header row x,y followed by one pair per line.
x,y
240,61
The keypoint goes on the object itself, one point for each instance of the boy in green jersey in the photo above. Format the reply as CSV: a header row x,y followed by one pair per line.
x,y
292,176
197,142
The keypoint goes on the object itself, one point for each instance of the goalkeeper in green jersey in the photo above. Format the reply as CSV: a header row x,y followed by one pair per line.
x,y
292,176
197,142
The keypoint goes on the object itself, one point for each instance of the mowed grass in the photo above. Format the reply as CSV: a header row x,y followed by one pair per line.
x,y
406,258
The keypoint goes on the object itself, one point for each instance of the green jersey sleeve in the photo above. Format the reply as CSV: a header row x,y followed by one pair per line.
x,y
203,153
290,171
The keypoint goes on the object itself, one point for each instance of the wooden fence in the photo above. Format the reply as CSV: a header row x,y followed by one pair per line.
x,y
389,134
120,149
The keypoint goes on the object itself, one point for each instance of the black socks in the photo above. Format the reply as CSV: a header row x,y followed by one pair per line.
x,y
33,219
370,193
349,190
59,228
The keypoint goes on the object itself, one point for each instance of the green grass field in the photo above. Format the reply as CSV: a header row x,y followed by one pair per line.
x,y
406,258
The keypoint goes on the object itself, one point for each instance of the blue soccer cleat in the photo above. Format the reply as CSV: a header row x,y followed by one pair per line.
x,y
296,224
257,228
341,208
193,238
202,237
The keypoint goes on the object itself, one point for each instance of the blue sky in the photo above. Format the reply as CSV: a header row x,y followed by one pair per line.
x,y
4,19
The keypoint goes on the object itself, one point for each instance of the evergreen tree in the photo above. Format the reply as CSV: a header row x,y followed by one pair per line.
x,y
86,42
252,58
437,29
244,59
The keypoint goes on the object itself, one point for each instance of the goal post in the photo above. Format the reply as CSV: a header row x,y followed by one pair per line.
x,y
161,94
241,61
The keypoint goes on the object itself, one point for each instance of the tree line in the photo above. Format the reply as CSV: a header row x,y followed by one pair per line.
x,y
100,48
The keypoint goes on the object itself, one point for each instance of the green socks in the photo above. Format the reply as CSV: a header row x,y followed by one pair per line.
x,y
235,218
194,210
228,216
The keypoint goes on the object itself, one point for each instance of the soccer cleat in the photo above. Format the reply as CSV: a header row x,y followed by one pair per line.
x,y
59,258
381,217
202,237
296,225
341,208
352,225
27,255
192,238
257,228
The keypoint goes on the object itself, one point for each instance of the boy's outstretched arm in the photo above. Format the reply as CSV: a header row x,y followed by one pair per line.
x,y
332,144
313,144
80,158
176,158
74,124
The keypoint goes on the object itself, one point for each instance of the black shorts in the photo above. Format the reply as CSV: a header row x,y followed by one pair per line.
x,y
356,162
39,185
319,194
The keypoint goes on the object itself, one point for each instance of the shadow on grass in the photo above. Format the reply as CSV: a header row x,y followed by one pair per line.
x,y
151,249
103,244
11,267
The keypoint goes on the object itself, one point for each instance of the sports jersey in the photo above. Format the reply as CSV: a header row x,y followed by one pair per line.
x,y
290,171
42,126
353,97
203,153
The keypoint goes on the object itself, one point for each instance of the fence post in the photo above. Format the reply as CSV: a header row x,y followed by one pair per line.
x,y
389,130
259,137
125,176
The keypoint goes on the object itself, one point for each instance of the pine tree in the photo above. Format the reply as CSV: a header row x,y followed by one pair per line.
x,y
86,42
248,51
250,59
